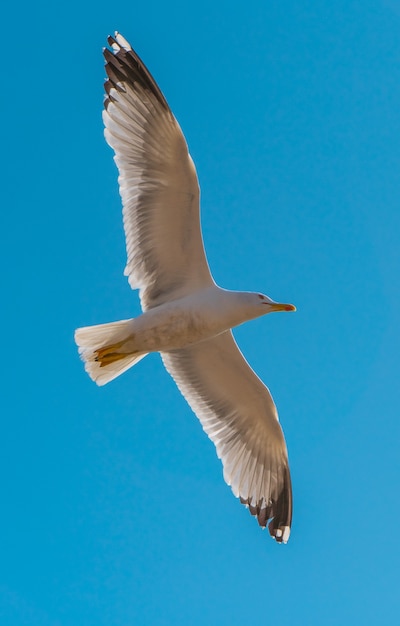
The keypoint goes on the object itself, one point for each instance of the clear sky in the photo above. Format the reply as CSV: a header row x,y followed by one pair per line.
x,y
113,507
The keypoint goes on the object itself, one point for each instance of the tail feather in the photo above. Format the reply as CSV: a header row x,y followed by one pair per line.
x,y
101,349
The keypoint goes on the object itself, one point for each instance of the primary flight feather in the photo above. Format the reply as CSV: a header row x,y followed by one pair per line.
x,y
186,316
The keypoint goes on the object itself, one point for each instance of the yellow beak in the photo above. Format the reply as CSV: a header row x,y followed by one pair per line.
x,y
277,306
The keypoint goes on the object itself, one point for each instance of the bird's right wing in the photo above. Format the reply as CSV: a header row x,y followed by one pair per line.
x,y
158,182
237,412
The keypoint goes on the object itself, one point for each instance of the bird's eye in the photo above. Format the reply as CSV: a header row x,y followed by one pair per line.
x,y
261,296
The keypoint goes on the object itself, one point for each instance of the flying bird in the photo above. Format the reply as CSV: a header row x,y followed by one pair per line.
x,y
186,316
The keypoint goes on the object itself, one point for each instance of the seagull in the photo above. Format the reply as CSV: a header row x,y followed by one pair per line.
x,y
186,317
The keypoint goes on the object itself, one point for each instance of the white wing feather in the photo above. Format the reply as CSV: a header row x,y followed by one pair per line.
x,y
158,183
237,412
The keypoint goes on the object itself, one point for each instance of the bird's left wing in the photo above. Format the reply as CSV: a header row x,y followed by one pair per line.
x,y
157,180
237,412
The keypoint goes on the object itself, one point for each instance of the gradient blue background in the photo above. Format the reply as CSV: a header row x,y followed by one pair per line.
x,y
113,507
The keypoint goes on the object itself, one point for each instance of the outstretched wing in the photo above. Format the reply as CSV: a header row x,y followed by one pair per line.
x,y
158,182
237,412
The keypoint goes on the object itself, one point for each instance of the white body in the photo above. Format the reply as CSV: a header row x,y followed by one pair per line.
x,y
188,320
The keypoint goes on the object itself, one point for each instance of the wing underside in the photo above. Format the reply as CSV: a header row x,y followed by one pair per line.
x,y
237,412
158,182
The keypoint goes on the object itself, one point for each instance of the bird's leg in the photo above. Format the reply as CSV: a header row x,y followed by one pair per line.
x,y
109,354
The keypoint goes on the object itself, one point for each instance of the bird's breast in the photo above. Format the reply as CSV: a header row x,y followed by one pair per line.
x,y
178,324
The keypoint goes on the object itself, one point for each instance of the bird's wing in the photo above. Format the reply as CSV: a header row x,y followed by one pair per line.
x,y
237,412
158,182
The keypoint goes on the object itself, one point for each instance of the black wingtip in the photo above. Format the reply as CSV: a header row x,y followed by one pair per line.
x,y
111,40
279,526
123,65
279,512
280,534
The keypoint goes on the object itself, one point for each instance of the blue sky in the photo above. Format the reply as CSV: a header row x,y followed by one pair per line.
x,y
114,510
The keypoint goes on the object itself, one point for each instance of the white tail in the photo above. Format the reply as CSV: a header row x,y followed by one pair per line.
x,y
100,349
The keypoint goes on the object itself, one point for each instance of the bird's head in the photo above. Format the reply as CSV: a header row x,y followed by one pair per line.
x,y
257,304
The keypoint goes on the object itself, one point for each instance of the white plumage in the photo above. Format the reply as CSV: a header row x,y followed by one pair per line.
x,y
186,316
